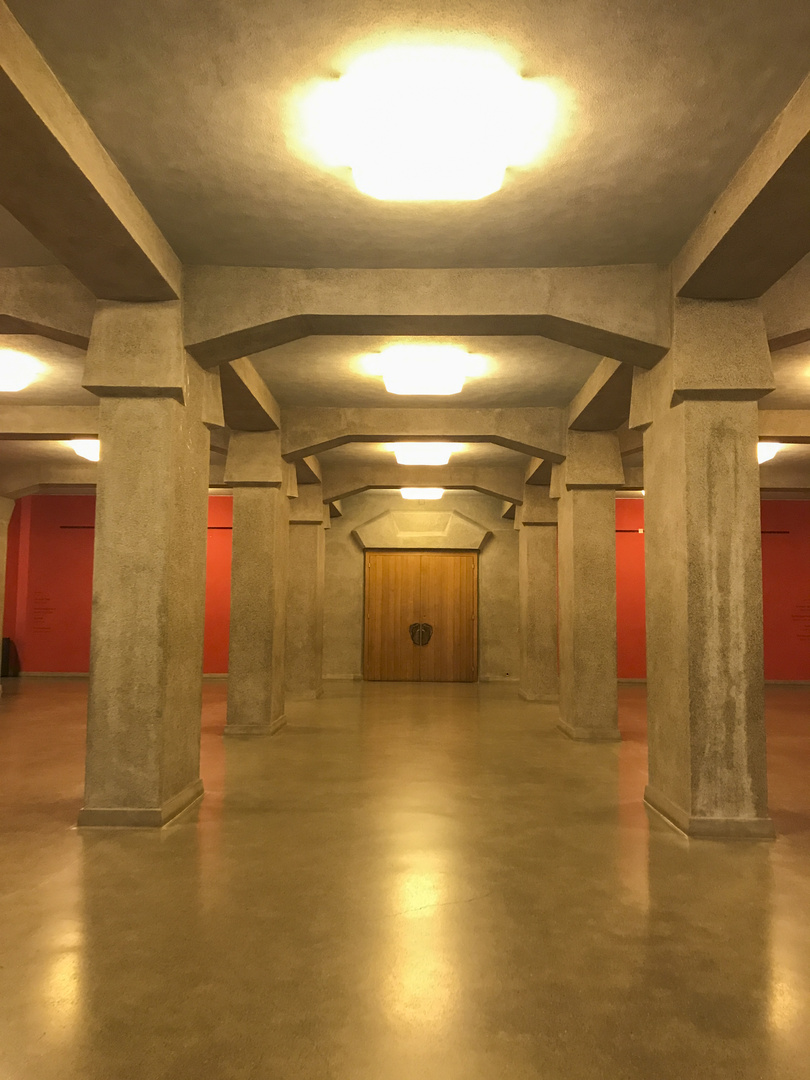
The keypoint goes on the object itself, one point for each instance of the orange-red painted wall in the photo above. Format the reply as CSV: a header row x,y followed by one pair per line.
x,y
50,570
49,582
631,644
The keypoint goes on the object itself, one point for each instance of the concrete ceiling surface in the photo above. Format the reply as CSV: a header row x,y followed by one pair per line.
x,y
191,99
327,371
18,247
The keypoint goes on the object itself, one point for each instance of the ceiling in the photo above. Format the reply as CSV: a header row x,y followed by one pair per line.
x,y
328,371
791,369
663,102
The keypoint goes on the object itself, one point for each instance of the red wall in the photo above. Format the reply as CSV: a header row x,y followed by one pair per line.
x,y
49,582
786,589
631,643
785,584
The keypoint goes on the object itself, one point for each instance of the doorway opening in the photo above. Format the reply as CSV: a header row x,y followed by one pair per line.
x,y
421,621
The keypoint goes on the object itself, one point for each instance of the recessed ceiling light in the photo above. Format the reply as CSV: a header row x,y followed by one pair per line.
x,y
421,493
422,453
425,369
429,122
768,450
86,448
18,370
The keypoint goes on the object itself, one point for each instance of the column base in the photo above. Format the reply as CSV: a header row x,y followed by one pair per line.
x,y
539,699
708,828
584,734
253,730
134,817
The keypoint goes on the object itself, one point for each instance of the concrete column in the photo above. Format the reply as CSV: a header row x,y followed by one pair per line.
x,y
309,517
6,510
143,725
536,521
261,483
585,488
705,683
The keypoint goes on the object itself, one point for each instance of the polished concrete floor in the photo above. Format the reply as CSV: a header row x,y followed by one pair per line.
x,y
409,883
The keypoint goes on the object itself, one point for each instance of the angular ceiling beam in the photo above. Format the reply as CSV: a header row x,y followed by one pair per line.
x,y
61,184
759,227
603,403
537,432
247,403
617,311
786,308
42,422
45,300
785,425
341,481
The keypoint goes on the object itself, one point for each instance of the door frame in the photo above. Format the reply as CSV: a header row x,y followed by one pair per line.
x,y
422,551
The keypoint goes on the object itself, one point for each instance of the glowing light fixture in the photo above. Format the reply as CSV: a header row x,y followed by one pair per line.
x,y
18,370
86,448
425,369
428,122
422,453
768,450
421,493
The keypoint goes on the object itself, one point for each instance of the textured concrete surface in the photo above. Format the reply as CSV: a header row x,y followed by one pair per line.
x,y
97,227
413,881
537,432
259,569
148,608
539,679
586,579
305,594
498,600
703,566
617,311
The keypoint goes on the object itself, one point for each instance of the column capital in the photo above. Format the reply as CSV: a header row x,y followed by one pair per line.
x,y
537,508
308,507
254,460
593,460
136,350
719,353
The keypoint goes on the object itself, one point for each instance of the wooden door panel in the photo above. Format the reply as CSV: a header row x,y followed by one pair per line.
x,y
440,588
449,604
392,602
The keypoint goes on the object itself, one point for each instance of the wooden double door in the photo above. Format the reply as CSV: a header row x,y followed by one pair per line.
x,y
421,616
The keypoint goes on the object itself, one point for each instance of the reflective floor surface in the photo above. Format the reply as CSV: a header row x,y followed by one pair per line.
x,y
411,882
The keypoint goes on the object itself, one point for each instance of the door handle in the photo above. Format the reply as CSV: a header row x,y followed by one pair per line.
x,y
421,632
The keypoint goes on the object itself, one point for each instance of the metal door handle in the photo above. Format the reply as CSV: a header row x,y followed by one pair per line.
x,y
421,632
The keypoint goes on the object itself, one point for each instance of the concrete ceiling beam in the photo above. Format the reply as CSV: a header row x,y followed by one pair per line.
x,y
537,432
786,308
61,184
617,311
47,301
784,425
538,472
247,403
603,403
308,470
341,481
759,227
42,422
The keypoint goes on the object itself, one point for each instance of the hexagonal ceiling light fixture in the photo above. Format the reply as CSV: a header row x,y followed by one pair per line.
x,y
18,370
424,369
422,453
428,122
